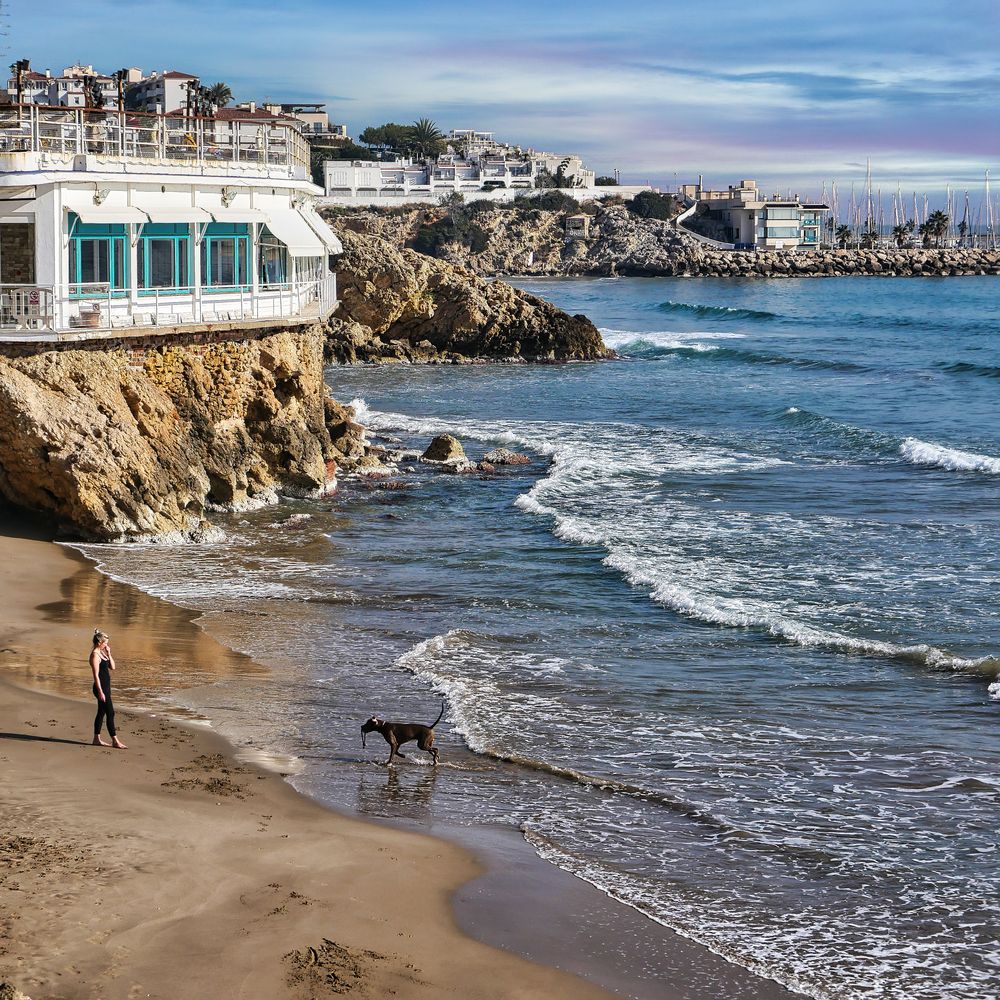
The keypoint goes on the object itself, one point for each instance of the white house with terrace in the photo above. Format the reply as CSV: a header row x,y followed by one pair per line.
x,y
120,220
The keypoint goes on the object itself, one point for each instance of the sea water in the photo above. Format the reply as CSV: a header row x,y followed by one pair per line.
x,y
727,649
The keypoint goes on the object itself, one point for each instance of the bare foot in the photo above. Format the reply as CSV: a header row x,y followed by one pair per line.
x,y
98,742
117,743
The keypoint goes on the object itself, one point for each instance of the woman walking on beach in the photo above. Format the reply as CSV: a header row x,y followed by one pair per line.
x,y
101,665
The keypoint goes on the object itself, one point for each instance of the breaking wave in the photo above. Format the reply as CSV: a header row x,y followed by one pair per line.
x,y
716,312
919,452
911,449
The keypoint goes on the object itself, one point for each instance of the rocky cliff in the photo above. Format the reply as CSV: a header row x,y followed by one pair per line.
x,y
399,305
113,450
517,240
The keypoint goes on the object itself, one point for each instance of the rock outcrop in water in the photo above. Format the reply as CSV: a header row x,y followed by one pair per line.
x,y
531,241
112,450
398,305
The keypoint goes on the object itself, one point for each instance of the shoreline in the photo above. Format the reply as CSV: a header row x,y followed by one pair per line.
x,y
481,879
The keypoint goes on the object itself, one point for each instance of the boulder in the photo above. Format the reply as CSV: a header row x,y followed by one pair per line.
x,y
444,448
504,456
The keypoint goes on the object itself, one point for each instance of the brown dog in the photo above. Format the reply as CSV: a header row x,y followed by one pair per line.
x,y
398,733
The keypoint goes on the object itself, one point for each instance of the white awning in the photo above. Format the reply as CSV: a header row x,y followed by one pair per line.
x,y
158,213
237,215
323,231
82,203
297,235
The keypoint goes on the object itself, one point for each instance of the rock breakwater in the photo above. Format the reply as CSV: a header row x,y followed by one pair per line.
x,y
517,240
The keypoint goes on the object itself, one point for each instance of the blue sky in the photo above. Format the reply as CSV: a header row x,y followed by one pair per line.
x,y
790,93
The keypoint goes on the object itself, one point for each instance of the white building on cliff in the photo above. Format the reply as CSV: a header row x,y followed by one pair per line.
x,y
116,220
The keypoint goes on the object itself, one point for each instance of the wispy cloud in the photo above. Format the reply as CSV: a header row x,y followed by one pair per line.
x,y
789,92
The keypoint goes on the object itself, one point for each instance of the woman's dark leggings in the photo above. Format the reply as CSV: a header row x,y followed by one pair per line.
x,y
105,709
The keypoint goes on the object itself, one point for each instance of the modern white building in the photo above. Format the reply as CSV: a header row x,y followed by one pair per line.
x,y
68,89
438,178
120,220
743,218
161,91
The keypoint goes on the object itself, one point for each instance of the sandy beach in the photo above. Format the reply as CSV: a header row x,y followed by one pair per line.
x,y
174,870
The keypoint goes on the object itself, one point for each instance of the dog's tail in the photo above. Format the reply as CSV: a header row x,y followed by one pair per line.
x,y
440,716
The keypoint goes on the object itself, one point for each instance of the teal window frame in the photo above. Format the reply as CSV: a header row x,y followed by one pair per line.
x,y
269,242
239,235
179,234
116,236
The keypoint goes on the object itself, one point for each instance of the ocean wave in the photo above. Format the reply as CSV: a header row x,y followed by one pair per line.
x,y
742,613
919,452
664,344
968,368
732,612
913,450
717,312
477,707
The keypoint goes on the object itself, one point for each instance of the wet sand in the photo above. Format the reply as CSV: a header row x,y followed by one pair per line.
x,y
172,869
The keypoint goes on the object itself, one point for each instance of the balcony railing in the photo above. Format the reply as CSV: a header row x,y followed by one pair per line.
x,y
271,147
32,311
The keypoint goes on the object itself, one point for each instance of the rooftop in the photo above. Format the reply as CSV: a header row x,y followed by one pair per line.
x,y
36,137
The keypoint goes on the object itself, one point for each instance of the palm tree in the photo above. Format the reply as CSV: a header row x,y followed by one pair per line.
x,y
426,138
925,233
901,234
219,95
937,225
844,236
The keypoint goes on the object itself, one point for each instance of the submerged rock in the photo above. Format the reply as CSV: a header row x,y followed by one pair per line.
x,y
504,456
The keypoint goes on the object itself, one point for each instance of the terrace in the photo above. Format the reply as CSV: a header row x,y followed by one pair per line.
x,y
34,137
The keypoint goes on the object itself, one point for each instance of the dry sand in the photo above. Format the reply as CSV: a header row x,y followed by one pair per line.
x,y
170,870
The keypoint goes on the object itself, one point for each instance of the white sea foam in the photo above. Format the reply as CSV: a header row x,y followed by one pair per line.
x,y
925,453
586,461
670,340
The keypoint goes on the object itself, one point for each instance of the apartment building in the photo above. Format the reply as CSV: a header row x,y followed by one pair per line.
x,y
742,217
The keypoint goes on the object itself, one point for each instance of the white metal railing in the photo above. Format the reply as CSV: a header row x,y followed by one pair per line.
x,y
32,128
33,310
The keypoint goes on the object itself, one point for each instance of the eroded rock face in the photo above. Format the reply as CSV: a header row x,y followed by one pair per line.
x,y
398,305
114,451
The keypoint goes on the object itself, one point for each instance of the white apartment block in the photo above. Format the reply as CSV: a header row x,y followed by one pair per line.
x,y
160,92
67,90
743,218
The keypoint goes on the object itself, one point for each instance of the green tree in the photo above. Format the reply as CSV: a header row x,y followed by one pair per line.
x,y
220,94
388,138
937,226
605,181
650,205
426,139
844,234
901,234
